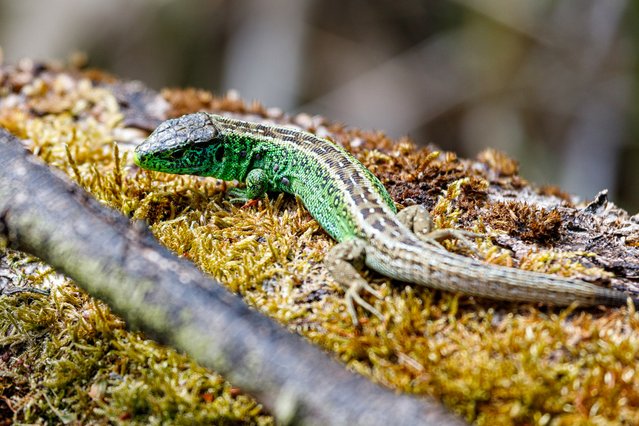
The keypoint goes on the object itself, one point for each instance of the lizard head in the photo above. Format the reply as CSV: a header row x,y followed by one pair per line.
x,y
191,144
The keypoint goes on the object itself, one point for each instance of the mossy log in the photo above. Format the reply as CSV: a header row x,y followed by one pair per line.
x,y
43,213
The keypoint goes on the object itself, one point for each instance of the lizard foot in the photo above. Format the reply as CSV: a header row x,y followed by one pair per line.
x,y
460,235
353,297
343,262
418,220
238,195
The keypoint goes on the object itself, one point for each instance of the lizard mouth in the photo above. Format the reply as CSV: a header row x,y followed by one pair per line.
x,y
143,159
136,158
177,161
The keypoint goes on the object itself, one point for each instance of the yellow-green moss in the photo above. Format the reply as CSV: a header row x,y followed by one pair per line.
x,y
494,363
70,360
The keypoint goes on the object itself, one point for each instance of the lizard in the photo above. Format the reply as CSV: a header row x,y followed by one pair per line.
x,y
351,204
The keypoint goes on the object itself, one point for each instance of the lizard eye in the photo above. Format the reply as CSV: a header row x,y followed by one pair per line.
x,y
176,154
207,143
219,153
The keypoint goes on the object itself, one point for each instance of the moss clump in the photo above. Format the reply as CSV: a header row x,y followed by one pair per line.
x,y
526,222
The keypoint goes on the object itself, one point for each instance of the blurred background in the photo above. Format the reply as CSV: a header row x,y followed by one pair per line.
x,y
553,84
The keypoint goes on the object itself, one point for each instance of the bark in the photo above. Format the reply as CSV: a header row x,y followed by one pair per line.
x,y
168,298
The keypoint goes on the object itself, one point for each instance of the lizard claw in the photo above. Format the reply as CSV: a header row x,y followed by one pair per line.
x,y
366,286
238,195
353,297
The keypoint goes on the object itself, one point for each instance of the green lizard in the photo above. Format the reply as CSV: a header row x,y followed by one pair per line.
x,y
349,203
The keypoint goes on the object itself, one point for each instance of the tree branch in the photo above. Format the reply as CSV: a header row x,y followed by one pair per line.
x,y
43,213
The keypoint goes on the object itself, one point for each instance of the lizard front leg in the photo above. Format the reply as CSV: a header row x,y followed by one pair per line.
x,y
343,262
257,183
418,220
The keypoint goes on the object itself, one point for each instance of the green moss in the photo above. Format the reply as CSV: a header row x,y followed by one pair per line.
x,y
69,359
494,363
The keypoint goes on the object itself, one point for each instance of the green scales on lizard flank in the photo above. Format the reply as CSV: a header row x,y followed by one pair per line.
x,y
351,204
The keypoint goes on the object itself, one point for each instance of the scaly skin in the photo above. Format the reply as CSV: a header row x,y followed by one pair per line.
x,y
351,204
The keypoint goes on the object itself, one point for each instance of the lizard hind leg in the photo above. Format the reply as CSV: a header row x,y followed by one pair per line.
x,y
418,220
343,262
